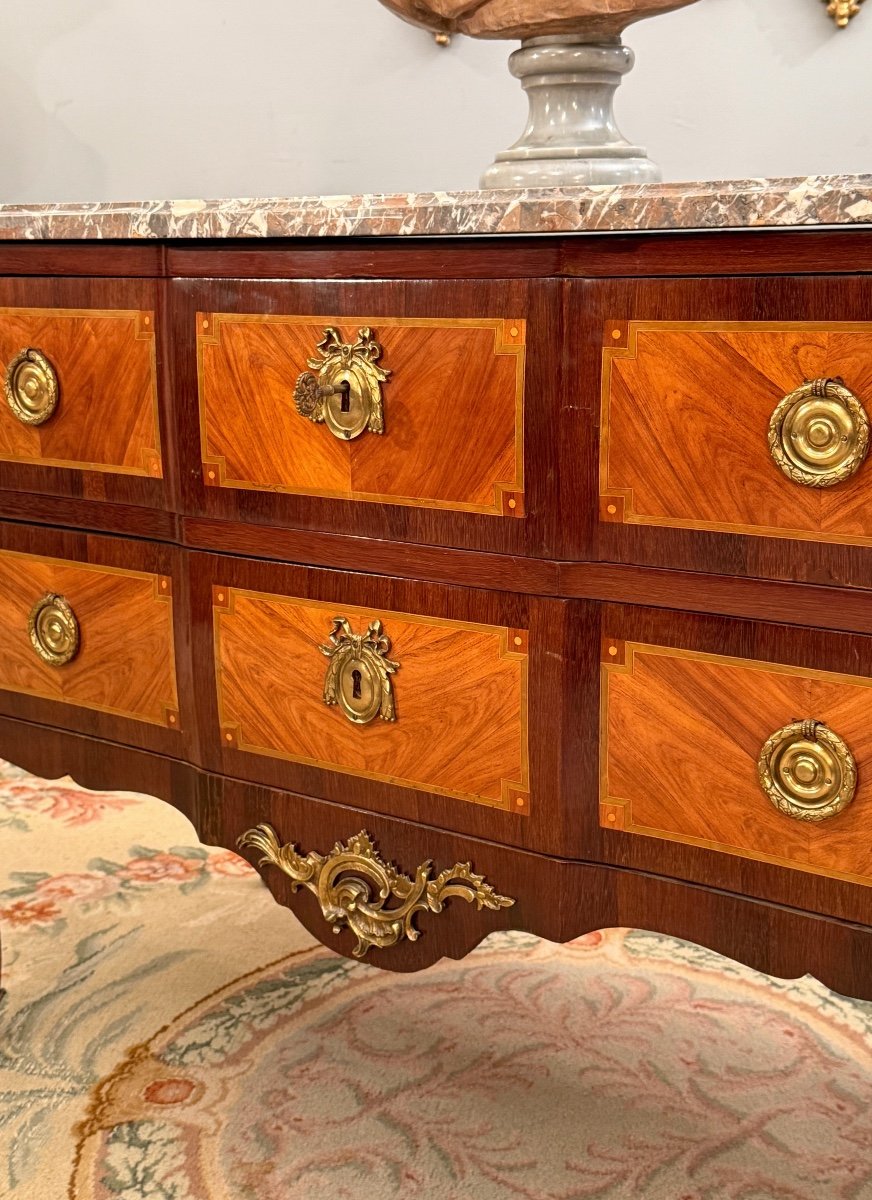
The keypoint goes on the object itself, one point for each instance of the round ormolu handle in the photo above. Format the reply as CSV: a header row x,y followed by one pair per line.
x,y
32,390
819,434
807,771
54,630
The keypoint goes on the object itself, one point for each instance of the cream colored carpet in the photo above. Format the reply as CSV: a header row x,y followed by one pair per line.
x,y
169,1033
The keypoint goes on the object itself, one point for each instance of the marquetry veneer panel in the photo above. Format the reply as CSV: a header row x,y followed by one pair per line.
x,y
680,736
453,412
685,416
461,697
106,420
126,661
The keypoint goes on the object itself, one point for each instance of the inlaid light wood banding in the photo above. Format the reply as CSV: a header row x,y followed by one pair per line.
x,y
685,416
461,697
107,414
680,736
125,663
454,412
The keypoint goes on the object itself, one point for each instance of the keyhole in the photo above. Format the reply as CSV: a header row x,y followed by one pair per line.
x,y
355,690
345,404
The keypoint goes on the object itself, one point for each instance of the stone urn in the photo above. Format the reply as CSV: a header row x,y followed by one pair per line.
x,y
570,63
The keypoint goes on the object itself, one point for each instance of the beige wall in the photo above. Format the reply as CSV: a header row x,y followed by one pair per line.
x,y
112,99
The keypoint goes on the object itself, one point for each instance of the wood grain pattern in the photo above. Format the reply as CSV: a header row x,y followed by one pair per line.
x,y
107,417
453,412
126,662
461,695
686,409
681,732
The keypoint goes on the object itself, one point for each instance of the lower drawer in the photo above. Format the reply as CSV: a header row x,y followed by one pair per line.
x,y
421,701
755,741
87,636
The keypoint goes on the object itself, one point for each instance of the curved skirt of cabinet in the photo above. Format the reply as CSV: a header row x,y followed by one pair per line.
x,y
553,898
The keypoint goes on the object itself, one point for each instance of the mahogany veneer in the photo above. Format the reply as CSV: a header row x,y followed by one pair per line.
x,y
581,694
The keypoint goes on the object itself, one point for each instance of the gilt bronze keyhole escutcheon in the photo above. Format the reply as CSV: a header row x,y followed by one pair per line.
x,y
346,393
359,672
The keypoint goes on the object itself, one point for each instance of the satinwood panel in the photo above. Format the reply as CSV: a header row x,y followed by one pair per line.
x,y
126,661
461,697
685,418
681,733
106,420
453,412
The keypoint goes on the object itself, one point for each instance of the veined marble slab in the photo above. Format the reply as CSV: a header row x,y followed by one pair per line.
x,y
731,204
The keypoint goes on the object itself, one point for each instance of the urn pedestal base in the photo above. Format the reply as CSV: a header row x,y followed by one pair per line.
x,y
571,138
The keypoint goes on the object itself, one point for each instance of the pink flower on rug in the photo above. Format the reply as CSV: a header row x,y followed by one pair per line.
x,y
72,806
160,868
79,887
228,863
30,912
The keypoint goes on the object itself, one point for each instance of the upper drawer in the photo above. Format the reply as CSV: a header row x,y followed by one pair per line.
x,y
337,402
734,422
81,390
396,410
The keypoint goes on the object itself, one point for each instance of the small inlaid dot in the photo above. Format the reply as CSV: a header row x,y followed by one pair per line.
x,y
211,475
520,802
611,818
613,651
612,509
514,331
172,719
228,737
146,321
519,641
513,504
220,597
616,333
205,324
163,584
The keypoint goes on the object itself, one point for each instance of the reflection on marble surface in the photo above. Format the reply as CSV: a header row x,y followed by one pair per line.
x,y
733,204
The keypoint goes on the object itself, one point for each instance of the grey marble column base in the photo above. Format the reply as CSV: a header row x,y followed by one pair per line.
x,y
571,137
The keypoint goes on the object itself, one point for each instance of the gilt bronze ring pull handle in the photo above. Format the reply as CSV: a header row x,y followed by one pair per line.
x,y
346,393
819,434
807,771
31,384
54,630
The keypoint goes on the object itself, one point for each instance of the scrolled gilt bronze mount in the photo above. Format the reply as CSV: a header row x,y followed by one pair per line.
x,y
807,771
359,672
354,884
346,393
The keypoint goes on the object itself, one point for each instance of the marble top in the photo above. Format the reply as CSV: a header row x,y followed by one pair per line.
x,y
730,204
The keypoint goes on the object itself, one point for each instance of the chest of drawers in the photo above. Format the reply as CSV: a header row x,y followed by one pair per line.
x,y
463,582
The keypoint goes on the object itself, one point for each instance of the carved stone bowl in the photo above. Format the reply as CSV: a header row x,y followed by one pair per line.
x,y
570,63
520,19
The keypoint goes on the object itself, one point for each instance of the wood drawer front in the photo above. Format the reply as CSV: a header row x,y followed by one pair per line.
x,y
460,694
106,419
681,733
453,411
686,408
125,664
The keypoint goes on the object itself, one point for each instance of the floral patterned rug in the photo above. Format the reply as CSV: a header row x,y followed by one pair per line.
x,y
169,1033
